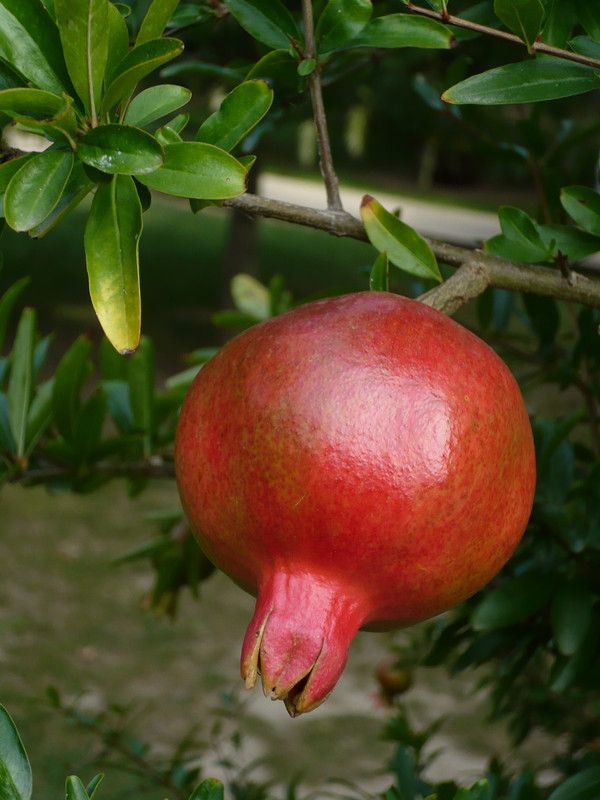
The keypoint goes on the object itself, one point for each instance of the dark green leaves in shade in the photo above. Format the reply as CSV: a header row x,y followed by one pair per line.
x,y
209,789
405,248
522,17
137,64
512,602
341,21
402,30
571,616
582,786
111,240
84,32
120,150
20,384
268,21
15,772
141,390
156,102
583,206
8,301
585,46
520,239
72,372
240,111
588,14
530,81
29,41
379,279
195,169
35,190
155,21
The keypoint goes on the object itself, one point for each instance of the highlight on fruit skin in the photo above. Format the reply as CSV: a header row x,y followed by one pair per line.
x,y
358,462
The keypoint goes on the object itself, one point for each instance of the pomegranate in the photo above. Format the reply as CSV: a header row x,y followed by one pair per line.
x,y
358,462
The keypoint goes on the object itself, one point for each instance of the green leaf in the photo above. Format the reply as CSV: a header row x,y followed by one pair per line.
x,y
571,615
35,103
7,170
136,65
195,169
405,248
155,21
379,279
512,602
93,785
111,247
279,69
72,372
570,241
582,786
267,21
84,32
7,445
40,414
15,772
156,102
251,297
88,426
520,240
120,150
559,23
525,82
402,30
7,302
209,789
118,41
141,390
78,186
582,205
240,111
568,670
523,17
9,79
307,66
341,21
20,383
36,189
585,46
74,789
30,43
588,14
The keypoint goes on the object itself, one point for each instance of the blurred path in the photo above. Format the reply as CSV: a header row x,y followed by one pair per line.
x,y
454,224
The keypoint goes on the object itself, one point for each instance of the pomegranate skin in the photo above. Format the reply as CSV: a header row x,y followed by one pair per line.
x,y
362,461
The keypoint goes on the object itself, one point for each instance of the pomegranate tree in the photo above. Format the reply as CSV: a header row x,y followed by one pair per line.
x,y
359,462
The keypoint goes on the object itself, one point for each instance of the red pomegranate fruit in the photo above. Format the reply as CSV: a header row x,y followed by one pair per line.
x,y
358,462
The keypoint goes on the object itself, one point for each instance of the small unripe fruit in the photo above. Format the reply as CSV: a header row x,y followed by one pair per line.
x,y
362,461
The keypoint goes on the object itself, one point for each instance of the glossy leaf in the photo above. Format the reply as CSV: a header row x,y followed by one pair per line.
x,y
570,241
9,79
209,789
78,186
571,615
240,111
73,370
84,32
379,279
584,785
29,41
512,602
520,239
156,102
402,30
120,150
405,248
35,103
118,41
136,65
74,789
15,771
111,247
141,390
583,206
195,169
8,301
155,21
341,21
523,17
525,82
35,190
20,384
267,21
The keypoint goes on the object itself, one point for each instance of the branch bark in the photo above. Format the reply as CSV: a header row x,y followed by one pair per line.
x,y
502,274
467,283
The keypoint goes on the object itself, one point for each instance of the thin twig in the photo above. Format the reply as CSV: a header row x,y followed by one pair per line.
x,y
503,274
537,47
334,201
143,469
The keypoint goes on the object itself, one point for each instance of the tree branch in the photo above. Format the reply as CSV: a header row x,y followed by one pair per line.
x,y
334,200
468,282
537,47
154,469
502,274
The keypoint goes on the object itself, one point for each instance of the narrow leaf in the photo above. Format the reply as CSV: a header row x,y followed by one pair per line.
x,y
341,21
520,240
156,102
40,414
240,111
111,247
93,785
582,786
523,17
209,789
72,372
74,789
7,302
379,279
582,205
195,169
512,602
120,150
84,32
155,21
405,248
141,390
15,771
118,41
588,14
78,187
36,189
20,384
402,30
525,82
571,615
267,21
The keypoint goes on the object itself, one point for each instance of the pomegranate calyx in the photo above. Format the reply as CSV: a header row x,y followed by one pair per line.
x,y
298,638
